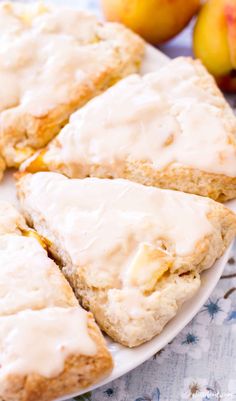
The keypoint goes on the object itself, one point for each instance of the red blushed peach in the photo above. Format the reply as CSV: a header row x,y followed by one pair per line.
x,y
214,41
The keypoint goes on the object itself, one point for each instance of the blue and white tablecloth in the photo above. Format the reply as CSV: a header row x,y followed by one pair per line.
x,y
200,363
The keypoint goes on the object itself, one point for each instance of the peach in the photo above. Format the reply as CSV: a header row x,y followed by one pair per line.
x,y
214,41
155,20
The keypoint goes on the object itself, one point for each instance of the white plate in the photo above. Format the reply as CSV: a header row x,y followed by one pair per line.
x,y
127,359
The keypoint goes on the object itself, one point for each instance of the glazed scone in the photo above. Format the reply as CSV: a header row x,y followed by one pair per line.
x,y
132,253
49,345
172,129
53,60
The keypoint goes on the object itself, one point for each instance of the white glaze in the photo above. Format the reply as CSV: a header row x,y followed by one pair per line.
x,y
28,278
102,222
45,55
137,119
40,341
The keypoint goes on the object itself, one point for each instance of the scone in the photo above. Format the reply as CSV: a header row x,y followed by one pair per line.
x,y
53,60
132,253
172,129
49,346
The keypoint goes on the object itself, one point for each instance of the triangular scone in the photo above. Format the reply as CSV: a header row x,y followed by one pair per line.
x,y
132,253
172,129
52,60
49,346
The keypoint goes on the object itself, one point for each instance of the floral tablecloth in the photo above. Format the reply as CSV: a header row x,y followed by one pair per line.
x,y
200,363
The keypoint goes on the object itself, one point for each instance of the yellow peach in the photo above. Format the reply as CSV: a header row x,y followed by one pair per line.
x,y
155,20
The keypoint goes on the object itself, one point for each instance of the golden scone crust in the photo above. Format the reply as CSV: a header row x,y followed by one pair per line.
x,y
33,293
66,67
102,289
218,187
80,150
2,167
